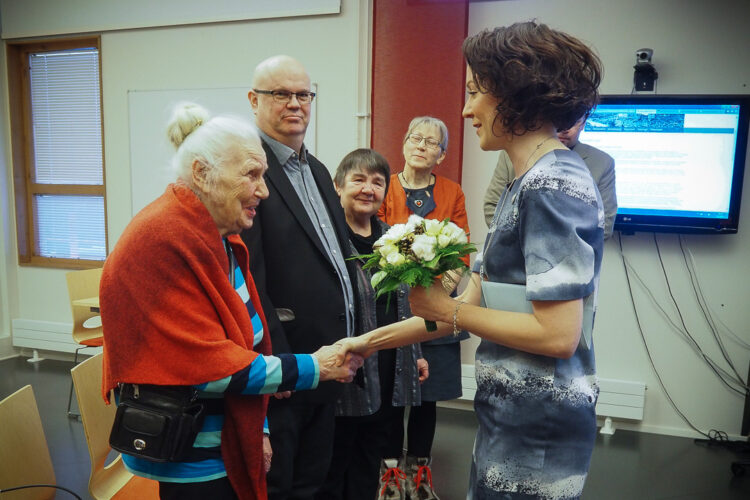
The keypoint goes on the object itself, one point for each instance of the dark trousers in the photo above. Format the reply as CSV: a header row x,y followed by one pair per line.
x,y
218,489
359,445
302,442
421,429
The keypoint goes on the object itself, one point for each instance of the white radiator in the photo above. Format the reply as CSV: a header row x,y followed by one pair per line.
x,y
44,335
621,399
617,398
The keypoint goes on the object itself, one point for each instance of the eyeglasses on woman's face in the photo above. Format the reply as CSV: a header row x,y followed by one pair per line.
x,y
284,96
429,142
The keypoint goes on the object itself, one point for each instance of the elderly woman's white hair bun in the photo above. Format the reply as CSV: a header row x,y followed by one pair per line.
x,y
186,117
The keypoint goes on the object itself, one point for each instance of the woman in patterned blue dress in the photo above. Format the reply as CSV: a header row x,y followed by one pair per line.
x,y
536,384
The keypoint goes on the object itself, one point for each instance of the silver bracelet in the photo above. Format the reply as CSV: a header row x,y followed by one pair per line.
x,y
456,331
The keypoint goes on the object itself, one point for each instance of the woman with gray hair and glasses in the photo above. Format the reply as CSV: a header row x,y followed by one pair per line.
x,y
417,190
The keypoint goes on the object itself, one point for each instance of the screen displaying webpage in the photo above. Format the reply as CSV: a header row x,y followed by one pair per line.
x,y
671,159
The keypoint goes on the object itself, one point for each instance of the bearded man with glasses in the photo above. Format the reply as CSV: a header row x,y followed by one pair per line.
x,y
298,250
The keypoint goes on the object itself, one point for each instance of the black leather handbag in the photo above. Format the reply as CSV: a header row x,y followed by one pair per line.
x,y
156,422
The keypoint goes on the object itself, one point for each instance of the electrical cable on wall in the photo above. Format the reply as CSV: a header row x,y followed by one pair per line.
x,y
713,365
685,331
648,351
713,437
706,309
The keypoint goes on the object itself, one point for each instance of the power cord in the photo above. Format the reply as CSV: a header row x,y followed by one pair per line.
x,y
26,486
686,332
645,344
713,437
720,372
720,438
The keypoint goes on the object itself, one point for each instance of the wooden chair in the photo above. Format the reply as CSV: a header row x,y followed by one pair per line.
x,y
113,480
24,456
87,325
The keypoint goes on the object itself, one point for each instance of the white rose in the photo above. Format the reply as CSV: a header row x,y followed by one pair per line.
x,y
432,227
395,234
413,221
395,259
454,233
424,247
444,240
387,249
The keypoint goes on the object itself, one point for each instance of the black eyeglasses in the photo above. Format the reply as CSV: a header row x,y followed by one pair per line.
x,y
286,96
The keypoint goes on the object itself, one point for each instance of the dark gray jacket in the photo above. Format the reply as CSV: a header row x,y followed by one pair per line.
x,y
360,401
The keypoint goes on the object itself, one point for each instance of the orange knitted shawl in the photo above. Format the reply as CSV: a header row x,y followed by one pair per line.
x,y
171,317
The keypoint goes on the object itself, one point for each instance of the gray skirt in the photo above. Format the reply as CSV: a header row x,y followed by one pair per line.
x,y
444,382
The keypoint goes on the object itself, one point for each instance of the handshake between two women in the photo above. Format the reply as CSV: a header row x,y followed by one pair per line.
x,y
336,363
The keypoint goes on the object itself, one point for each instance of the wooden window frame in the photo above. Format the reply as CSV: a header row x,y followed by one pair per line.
x,y
22,156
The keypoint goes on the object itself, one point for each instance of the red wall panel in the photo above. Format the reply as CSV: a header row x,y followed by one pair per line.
x,y
418,70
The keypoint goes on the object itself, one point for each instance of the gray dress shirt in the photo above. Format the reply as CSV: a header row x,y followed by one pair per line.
x,y
298,171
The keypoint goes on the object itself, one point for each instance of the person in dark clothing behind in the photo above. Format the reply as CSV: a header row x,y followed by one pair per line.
x,y
370,416
298,248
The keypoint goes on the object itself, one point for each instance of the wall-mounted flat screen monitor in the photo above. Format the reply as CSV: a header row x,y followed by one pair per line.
x,y
679,160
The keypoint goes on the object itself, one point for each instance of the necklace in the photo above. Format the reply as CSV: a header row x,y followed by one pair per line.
x,y
409,186
403,178
505,195
526,165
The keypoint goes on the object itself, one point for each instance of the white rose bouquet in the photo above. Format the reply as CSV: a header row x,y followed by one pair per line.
x,y
416,253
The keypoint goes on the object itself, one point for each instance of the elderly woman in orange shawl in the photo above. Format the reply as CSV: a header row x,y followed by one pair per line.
x,y
179,307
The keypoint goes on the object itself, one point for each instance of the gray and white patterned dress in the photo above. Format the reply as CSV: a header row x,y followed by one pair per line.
x,y
536,415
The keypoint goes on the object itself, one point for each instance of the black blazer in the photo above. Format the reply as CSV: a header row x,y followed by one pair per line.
x,y
292,270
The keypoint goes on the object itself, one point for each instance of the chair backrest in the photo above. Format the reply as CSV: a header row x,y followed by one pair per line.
x,y
24,456
84,285
97,418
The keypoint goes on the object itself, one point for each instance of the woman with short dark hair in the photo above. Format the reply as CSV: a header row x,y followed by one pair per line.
x,y
536,383
370,413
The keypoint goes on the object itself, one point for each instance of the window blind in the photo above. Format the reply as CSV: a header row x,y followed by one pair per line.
x,y
67,150
66,117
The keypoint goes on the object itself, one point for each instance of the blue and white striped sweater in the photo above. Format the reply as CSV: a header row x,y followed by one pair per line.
x,y
265,375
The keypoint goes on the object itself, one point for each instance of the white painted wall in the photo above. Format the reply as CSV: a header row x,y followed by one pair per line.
x,y
697,49
198,56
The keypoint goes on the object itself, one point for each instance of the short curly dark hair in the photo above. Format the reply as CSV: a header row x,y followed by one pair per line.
x,y
539,75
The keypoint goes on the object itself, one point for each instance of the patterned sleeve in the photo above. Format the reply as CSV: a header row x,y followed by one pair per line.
x,y
268,375
558,232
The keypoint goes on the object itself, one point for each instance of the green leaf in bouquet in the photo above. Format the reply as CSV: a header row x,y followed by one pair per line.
x,y
377,278
447,252
432,264
411,275
389,284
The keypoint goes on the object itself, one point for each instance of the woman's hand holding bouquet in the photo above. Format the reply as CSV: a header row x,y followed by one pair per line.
x,y
416,253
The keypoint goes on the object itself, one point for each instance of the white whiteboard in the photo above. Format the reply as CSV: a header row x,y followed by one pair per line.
x,y
150,150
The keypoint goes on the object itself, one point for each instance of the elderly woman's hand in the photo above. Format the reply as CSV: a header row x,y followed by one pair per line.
x,y
267,453
337,364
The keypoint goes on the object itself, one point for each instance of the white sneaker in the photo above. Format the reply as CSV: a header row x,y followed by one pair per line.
x,y
419,478
392,478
